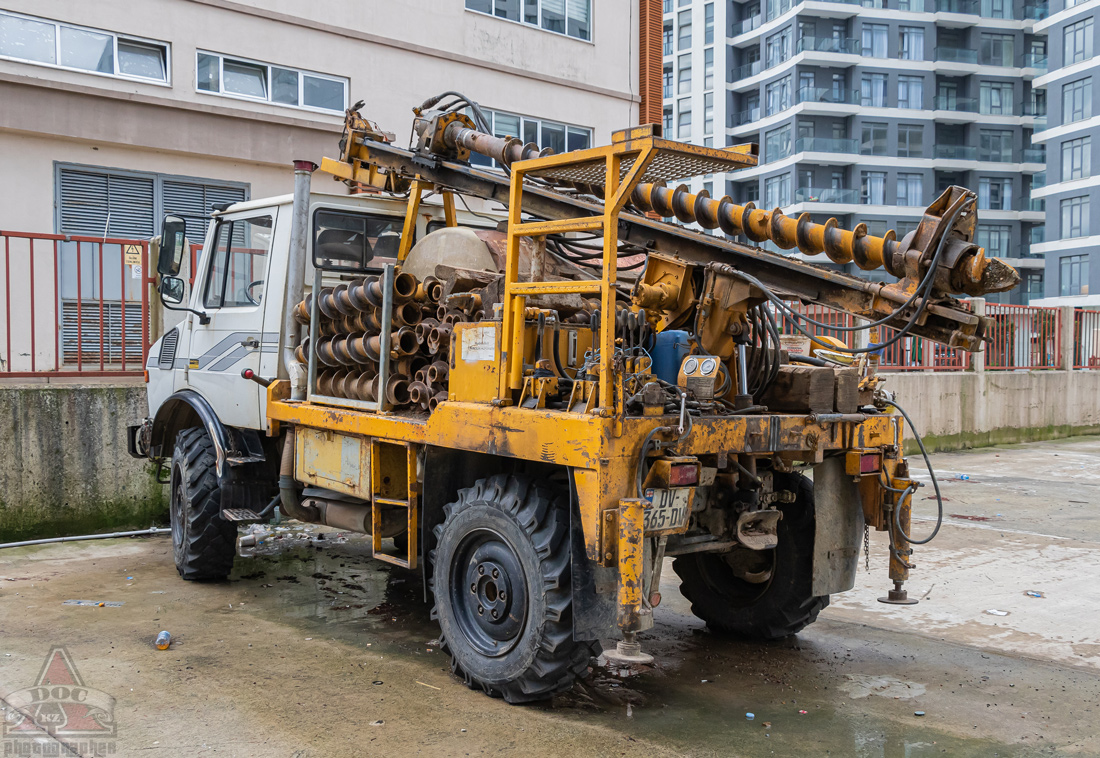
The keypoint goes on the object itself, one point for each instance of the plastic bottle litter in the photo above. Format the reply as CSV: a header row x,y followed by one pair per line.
x,y
963,477
164,639
750,716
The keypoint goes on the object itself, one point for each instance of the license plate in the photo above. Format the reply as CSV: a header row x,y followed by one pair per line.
x,y
668,510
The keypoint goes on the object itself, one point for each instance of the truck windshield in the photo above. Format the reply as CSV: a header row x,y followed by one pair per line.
x,y
239,265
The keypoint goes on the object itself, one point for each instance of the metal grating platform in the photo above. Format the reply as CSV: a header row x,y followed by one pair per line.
x,y
672,162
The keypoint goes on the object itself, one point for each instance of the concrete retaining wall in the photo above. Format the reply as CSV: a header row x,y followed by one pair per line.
x,y
960,409
64,468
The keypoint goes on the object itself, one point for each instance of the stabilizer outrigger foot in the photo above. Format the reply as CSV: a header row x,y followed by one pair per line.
x,y
628,652
898,596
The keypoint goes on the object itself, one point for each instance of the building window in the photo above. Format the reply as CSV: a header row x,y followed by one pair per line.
x,y
873,140
1073,275
997,50
778,96
911,92
777,191
875,40
911,43
1075,217
708,24
708,113
778,48
683,125
995,145
569,17
910,140
48,43
910,189
872,188
1077,42
667,81
667,39
994,194
683,85
667,121
777,8
684,38
777,144
708,68
995,98
251,80
557,136
995,239
1077,101
1077,159
873,90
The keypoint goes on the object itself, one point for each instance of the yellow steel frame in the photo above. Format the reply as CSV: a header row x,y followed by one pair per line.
x,y
408,231
616,191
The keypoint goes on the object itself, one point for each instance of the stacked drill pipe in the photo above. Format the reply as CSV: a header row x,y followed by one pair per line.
x,y
349,340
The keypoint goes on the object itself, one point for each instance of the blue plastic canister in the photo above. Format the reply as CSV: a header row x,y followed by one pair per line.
x,y
671,348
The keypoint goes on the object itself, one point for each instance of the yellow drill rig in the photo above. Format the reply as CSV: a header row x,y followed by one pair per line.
x,y
537,416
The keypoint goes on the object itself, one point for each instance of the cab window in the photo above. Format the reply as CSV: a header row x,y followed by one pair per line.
x,y
239,263
345,241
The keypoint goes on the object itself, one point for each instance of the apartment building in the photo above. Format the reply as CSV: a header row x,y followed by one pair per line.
x,y
113,113
866,111
1072,190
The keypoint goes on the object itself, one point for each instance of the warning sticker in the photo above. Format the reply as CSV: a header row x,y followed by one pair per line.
x,y
132,254
795,344
479,343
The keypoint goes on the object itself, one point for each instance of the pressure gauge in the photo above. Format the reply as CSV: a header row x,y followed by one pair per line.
x,y
691,365
708,365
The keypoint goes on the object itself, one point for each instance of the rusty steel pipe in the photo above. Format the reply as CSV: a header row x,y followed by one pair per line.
x,y
423,328
437,372
419,393
397,389
406,314
435,400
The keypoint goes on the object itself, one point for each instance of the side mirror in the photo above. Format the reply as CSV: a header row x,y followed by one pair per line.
x,y
172,245
172,289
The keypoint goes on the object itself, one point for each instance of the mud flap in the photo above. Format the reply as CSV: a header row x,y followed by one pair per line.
x,y
838,528
595,587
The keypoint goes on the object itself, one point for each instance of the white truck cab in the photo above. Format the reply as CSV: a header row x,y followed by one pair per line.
x,y
236,298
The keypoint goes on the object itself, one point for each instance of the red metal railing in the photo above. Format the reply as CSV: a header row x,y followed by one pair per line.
x,y
1024,337
74,306
1086,339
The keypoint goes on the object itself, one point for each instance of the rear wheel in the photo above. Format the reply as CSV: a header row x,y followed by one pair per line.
x,y
760,594
203,542
501,578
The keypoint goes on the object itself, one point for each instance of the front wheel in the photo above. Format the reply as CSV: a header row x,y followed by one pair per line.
x,y
204,544
501,578
760,594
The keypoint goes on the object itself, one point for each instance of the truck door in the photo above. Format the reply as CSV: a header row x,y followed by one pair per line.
x,y
231,293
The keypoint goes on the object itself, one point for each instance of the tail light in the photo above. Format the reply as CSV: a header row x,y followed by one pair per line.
x,y
683,475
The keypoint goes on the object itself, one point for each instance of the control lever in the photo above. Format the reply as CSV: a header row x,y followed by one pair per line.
x,y
252,376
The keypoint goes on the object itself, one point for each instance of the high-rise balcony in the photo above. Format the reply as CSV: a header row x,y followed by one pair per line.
x,y
1035,60
1036,12
956,55
957,152
746,116
1035,155
826,145
953,103
957,6
747,70
746,25
826,195
846,45
828,95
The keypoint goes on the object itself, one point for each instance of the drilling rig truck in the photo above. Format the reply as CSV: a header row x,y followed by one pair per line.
x,y
535,413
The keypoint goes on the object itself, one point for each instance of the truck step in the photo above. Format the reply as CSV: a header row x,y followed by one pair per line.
x,y
240,514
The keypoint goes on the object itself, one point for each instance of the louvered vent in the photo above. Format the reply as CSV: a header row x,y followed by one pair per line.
x,y
88,198
90,341
195,199
168,349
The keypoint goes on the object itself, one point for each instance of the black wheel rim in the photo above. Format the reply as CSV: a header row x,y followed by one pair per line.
x,y
177,511
488,592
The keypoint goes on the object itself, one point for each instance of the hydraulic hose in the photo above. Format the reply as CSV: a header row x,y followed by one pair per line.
x,y
913,487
